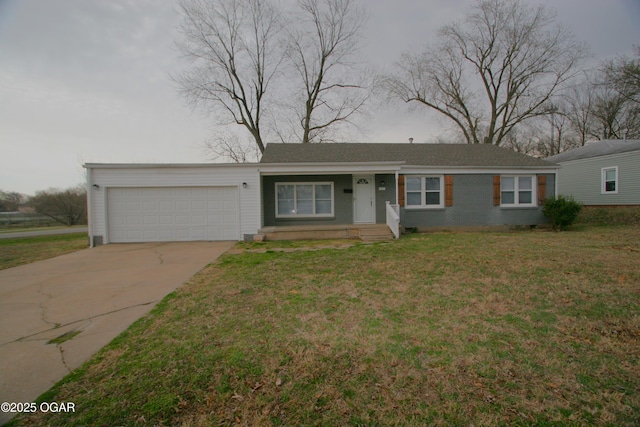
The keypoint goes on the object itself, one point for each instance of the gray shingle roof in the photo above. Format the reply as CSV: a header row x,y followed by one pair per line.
x,y
596,149
451,155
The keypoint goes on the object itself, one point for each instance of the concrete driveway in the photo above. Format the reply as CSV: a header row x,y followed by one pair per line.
x,y
97,292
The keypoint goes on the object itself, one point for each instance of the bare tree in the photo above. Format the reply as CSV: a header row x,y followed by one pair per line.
x,y
496,69
614,116
322,47
623,74
234,49
11,201
239,51
230,146
577,105
68,207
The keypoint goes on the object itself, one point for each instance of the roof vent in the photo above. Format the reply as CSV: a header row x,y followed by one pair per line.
x,y
410,140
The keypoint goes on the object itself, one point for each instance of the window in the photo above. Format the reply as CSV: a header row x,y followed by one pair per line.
x,y
610,180
517,191
424,191
304,199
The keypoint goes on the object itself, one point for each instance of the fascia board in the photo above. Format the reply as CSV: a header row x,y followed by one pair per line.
x,y
170,165
328,168
444,170
605,157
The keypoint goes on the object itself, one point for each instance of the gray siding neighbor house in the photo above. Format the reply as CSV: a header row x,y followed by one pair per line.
x,y
430,186
603,173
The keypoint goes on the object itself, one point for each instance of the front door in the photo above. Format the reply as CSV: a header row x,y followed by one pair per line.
x,y
364,203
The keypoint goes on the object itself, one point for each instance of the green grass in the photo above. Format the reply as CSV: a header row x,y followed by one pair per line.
x,y
25,250
621,215
531,328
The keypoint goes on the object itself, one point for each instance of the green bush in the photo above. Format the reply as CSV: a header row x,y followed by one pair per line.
x,y
562,211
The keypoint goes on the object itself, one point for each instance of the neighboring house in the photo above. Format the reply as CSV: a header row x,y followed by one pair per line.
x,y
422,186
603,173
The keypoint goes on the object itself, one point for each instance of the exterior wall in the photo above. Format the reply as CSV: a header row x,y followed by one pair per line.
x,y
383,195
473,206
174,176
582,179
342,208
343,203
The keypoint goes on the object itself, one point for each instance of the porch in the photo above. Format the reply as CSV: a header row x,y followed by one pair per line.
x,y
364,232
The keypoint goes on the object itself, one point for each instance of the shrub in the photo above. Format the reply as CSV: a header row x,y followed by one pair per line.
x,y
562,211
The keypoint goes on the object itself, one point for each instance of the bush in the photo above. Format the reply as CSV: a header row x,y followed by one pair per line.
x,y
562,211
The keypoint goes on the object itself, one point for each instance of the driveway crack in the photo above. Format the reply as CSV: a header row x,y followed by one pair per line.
x,y
159,255
64,362
43,309
62,325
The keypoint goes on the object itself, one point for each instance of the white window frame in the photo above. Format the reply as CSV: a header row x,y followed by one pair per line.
x,y
603,175
423,192
516,191
312,215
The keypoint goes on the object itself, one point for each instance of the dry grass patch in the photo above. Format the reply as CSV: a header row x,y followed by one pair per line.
x,y
440,329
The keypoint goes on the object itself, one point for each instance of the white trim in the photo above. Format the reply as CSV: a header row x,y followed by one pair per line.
x,y
170,165
516,190
603,180
423,191
105,208
426,170
313,183
89,190
328,168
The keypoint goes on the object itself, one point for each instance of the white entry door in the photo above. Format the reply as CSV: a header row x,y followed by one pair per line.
x,y
364,211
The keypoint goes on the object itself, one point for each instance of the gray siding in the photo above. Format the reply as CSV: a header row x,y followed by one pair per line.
x,y
582,179
383,196
473,206
343,207
343,203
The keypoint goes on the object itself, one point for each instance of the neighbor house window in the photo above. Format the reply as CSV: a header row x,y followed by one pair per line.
x,y
304,199
610,180
424,191
517,191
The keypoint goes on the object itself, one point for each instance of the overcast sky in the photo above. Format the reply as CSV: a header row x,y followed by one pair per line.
x,y
88,80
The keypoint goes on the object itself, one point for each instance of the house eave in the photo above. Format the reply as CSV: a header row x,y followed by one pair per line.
x,y
472,170
328,168
169,165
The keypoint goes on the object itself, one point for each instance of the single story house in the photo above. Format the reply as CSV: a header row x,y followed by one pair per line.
x,y
603,173
330,186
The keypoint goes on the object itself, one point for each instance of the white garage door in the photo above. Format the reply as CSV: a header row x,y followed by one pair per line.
x,y
172,214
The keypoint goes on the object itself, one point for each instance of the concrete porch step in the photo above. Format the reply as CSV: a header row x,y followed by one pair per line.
x,y
365,232
377,233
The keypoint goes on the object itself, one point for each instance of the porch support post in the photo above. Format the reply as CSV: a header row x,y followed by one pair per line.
x,y
396,187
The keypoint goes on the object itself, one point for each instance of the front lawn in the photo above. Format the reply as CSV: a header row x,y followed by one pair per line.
x,y
531,328
24,250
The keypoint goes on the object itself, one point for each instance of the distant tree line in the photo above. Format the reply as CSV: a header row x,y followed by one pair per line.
x,y
68,207
508,73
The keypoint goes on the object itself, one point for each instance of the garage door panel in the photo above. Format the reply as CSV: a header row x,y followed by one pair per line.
x,y
172,214
165,220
